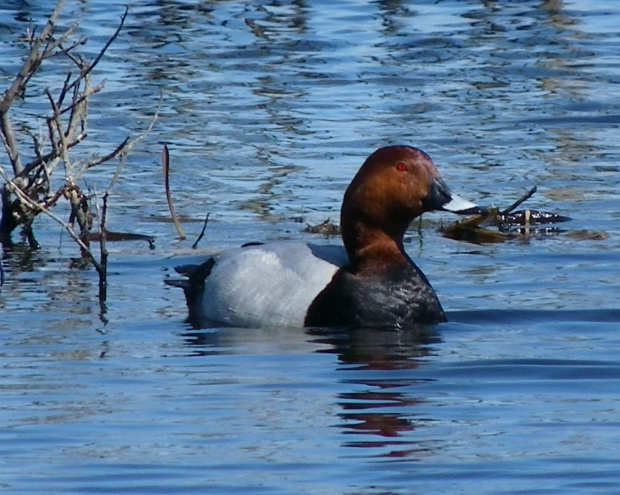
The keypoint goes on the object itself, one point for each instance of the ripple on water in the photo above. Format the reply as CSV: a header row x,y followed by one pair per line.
x,y
269,109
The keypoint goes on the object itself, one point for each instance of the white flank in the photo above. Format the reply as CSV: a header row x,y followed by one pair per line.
x,y
269,285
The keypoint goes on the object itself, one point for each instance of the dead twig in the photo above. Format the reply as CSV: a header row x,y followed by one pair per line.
x,y
54,44
165,161
202,232
523,198
48,157
94,63
111,236
28,192
103,252
67,226
98,161
28,68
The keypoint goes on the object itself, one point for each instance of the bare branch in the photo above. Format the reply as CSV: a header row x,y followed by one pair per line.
x,y
98,161
10,143
165,162
48,157
523,198
149,129
62,138
63,91
52,201
94,63
202,232
87,93
36,206
53,44
4,141
28,68
103,251
34,181
28,193
67,51
79,109
123,149
31,63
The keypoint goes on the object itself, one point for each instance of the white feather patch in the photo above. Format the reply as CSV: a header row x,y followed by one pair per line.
x,y
269,285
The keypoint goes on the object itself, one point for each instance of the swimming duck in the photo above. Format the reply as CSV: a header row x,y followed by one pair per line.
x,y
371,281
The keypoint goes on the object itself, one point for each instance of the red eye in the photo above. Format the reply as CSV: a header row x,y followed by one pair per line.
x,y
401,167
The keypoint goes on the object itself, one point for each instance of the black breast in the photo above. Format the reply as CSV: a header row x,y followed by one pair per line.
x,y
398,297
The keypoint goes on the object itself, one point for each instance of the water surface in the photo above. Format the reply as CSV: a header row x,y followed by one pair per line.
x,y
268,109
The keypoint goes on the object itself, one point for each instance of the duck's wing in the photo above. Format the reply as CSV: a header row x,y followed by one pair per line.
x,y
269,285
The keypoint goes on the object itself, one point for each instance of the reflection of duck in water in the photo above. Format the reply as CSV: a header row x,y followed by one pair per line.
x,y
373,382
371,282
378,349
379,402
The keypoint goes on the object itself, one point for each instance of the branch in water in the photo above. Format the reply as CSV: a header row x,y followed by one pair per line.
x,y
165,162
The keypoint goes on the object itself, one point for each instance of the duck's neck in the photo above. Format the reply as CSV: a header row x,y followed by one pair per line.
x,y
371,248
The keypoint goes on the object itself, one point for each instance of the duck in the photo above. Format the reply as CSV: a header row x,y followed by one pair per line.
x,y
368,281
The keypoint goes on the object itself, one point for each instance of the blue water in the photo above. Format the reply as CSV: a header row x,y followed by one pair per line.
x,y
268,109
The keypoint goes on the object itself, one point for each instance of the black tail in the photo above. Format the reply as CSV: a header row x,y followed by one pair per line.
x,y
193,286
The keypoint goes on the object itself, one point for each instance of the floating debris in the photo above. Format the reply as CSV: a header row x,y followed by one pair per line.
x,y
325,228
532,217
589,235
492,226
470,229
509,224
